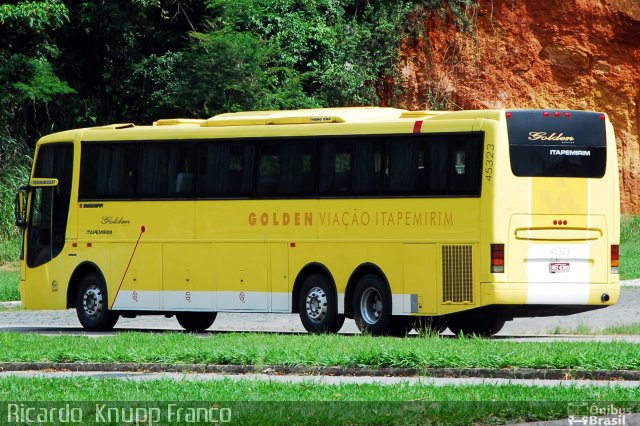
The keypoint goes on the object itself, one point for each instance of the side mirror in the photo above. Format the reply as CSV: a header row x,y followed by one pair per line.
x,y
20,206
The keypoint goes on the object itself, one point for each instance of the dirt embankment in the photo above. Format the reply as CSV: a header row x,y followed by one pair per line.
x,y
578,54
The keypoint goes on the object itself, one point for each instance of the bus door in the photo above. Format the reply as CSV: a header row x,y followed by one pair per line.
x,y
47,223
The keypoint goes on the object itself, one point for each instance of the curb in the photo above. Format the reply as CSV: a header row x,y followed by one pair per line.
x,y
488,373
9,305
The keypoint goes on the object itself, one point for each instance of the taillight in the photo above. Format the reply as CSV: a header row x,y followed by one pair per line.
x,y
497,258
615,258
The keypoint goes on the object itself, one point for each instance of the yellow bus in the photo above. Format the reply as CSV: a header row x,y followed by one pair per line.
x,y
394,218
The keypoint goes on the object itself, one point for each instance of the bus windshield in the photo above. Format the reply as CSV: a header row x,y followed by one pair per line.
x,y
557,144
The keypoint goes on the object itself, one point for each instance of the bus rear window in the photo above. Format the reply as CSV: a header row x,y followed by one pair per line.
x,y
564,144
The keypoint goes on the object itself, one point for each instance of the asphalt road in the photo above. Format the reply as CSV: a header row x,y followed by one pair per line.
x,y
627,311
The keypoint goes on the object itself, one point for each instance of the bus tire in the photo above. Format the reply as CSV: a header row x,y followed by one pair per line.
x,y
482,327
318,305
92,304
372,306
196,321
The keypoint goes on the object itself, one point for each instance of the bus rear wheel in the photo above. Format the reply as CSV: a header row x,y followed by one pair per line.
x,y
92,304
483,327
318,306
196,321
372,308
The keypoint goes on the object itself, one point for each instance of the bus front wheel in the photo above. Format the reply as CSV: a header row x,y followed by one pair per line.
x,y
92,304
318,306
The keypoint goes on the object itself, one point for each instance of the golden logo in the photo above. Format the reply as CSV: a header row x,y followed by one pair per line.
x,y
556,137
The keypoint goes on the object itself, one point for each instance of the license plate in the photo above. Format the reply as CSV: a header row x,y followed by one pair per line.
x,y
556,268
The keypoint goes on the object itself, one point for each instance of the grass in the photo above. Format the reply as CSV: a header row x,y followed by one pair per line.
x,y
630,261
270,402
9,290
630,247
630,229
583,329
318,350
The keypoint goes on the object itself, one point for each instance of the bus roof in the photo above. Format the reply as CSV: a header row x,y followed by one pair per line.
x,y
272,119
305,116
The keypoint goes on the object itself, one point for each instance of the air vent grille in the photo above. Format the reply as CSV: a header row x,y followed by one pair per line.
x,y
457,274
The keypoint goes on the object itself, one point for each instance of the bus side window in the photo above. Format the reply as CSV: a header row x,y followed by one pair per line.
x,y
297,168
152,177
366,166
343,163
213,162
269,172
236,170
465,166
436,152
405,166
108,171
180,165
351,165
165,170
225,169
327,166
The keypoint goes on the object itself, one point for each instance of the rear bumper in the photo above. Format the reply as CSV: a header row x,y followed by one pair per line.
x,y
551,294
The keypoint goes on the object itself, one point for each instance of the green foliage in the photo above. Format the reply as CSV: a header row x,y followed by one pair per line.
x,y
630,229
196,83
9,290
9,182
41,84
34,15
259,54
463,11
630,261
10,250
29,82
27,73
630,247
338,49
71,64
14,171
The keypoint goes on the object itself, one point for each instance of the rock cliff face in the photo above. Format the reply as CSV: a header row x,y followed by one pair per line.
x,y
577,54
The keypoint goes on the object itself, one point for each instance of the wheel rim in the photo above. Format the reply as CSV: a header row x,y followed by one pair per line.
x,y
317,302
92,302
371,306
